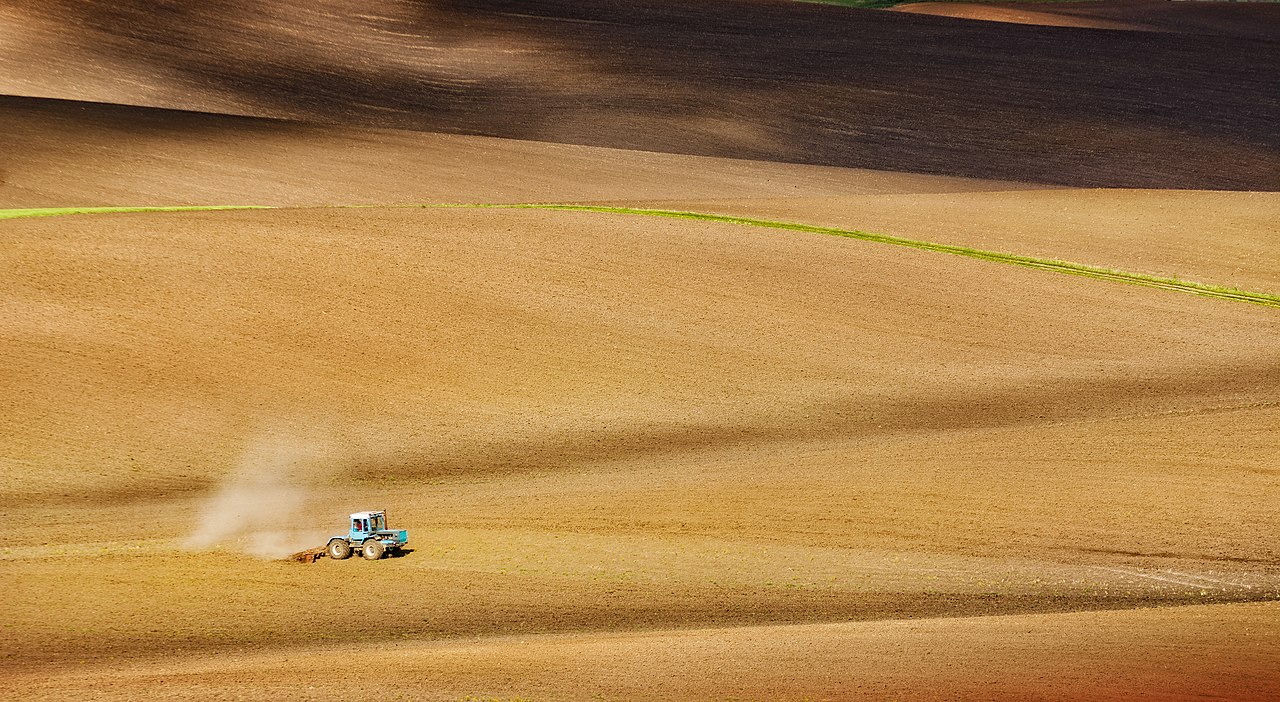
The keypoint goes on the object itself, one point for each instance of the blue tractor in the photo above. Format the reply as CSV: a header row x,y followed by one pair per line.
x,y
370,536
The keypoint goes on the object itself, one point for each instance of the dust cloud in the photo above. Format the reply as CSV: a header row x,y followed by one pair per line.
x,y
258,508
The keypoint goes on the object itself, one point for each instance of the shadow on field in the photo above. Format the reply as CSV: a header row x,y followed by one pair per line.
x,y
924,413
783,81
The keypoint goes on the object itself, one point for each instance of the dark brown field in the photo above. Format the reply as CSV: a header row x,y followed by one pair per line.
x,y
1243,20
639,458
757,79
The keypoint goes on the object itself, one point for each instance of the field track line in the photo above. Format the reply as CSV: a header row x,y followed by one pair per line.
x,y
1064,267
1207,578
1151,576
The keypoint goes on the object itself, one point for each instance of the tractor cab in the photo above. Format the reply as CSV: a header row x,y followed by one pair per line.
x,y
365,523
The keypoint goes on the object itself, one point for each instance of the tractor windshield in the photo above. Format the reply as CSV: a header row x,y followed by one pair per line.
x,y
379,522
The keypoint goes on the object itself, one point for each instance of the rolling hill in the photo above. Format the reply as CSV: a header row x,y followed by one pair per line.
x,y
639,457
757,79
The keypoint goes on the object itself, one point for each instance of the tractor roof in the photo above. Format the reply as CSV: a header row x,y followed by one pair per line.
x,y
367,515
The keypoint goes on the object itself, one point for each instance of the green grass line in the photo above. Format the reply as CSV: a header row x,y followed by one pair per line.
x,y
57,211
1065,267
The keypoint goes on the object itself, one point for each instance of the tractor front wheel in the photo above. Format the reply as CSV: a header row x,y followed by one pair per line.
x,y
339,549
373,549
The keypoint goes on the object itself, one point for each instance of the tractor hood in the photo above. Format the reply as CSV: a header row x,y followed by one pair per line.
x,y
399,536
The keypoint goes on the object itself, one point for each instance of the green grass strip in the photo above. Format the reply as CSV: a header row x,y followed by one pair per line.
x,y
1066,267
56,211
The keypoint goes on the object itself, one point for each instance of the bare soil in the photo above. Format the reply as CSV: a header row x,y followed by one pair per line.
x,y
1244,20
597,423
1186,653
758,79
638,458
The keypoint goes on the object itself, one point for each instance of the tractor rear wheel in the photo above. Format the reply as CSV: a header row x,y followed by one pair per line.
x,y
373,549
339,549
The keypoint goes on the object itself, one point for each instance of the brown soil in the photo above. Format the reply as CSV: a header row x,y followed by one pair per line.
x,y
139,156
1244,20
779,81
597,423
1186,653
638,458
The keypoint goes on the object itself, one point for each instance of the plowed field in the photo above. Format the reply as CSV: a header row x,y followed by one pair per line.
x,y
638,457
